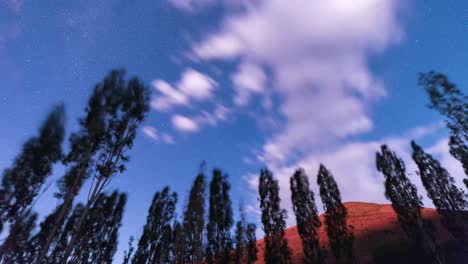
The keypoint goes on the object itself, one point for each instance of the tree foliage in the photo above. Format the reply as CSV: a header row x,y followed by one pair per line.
x,y
194,222
220,220
406,202
22,182
446,98
273,220
306,213
155,243
448,199
340,236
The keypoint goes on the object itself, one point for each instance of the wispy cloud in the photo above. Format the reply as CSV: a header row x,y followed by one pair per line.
x,y
319,69
194,123
184,124
152,133
193,85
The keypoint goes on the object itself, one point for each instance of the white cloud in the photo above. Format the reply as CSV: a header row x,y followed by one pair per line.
x,y
194,123
196,85
192,5
192,85
169,96
184,124
353,166
152,133
249,79
317,52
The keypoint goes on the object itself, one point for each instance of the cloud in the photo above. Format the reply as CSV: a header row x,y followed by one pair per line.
x,y
192,5
193,85
249,79
193,124
184,124
353,166
196,85
169,96
151,133
317,52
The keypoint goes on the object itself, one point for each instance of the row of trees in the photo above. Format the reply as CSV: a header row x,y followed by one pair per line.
x,y
87,232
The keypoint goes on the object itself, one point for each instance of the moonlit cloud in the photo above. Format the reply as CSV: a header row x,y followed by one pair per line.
x,y
196,85
249,79
193,85
192,5
318,52
184,124
151,133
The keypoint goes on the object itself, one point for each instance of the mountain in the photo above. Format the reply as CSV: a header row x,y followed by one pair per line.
x,y
378,237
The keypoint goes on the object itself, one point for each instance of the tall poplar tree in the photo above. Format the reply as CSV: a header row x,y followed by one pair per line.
x,y
306,213
340,236
220,220
154,245
22,182
131,107
16,246
273,220
446,98
406,202
85,146
99,236
448,199
194,222
251,243
240,255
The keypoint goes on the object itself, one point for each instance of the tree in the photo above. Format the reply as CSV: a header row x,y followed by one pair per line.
x,y
99,236
194,222
273,220
441,189
251,244
154,245
340,236
307,219
128,253
16,245
89,146
460,151
220,220
178,248
448,100
22,182
406,202
130,110
240,255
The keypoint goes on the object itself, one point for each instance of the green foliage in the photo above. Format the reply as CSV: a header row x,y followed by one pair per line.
x,y
441,189
273,220
155,243
340,236
194,222
446,98
220,220
406,202
251,243
22,182
306,213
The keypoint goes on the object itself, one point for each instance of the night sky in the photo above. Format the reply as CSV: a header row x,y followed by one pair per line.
x,y
239,84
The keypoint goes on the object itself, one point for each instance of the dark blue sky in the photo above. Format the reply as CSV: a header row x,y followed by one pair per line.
x,y
239,84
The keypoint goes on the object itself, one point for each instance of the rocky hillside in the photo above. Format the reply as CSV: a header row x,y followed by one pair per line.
x,y
378,236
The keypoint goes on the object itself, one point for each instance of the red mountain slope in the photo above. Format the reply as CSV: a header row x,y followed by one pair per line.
x,y
375,227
